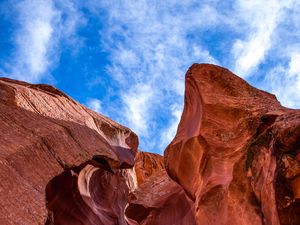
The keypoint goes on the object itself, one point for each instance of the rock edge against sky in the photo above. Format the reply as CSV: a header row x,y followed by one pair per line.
x,y
234,160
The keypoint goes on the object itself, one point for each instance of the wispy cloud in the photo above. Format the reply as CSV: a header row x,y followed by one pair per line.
x,y
137,107
284,81
294,65
260,18
169,132
150,51
41,25
33,39
281,73
94,104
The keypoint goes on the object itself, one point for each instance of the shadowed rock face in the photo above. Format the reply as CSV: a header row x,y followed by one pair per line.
x,y
95,194
235,152
234,160
158,199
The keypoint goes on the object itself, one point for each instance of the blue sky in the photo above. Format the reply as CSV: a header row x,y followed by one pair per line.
x,y
127,59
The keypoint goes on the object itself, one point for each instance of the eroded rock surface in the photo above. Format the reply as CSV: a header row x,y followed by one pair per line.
x,y
236,151
158,199
234,160
62,163
45,135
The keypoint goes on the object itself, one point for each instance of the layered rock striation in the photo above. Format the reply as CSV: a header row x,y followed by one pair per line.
x,y
234,160
62,163
51,143
236,151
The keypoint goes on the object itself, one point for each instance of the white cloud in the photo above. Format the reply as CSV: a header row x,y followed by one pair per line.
x,y
33,39
260,19
42,24
294,65
284,81
169,132
71,18
281,86
138,107
94,104
282,71
150,52
265,28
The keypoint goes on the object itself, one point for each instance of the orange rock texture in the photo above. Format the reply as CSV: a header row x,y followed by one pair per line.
x,y
62,163
236,151
234,160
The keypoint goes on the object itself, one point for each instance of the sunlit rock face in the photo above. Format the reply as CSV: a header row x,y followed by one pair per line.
x,y
62,163
49,140
236,152
234,160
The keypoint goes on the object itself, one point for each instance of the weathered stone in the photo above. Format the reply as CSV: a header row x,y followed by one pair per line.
x,y
228,150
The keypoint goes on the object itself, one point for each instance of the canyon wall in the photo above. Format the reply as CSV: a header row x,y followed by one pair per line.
x,y
62,163
234,160
236,151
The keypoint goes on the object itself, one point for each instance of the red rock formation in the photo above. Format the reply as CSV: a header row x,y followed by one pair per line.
x,y
234,160
235,151
158,199
147,165
45,135
62,163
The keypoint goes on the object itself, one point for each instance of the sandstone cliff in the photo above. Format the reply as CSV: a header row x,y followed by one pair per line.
x,y
234,160
236,151
62,163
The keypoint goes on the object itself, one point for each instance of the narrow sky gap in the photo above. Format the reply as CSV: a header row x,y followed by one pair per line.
x,y
127,59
